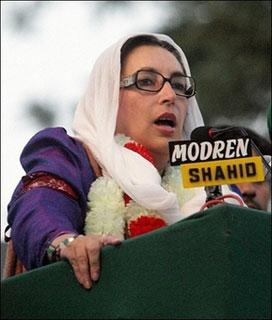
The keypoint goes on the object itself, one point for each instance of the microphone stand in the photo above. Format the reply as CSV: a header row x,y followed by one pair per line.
x,y
213,193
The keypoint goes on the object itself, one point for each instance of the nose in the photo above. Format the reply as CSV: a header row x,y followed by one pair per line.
x,y
167,94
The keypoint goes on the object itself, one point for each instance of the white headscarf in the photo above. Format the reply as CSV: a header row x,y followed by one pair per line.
x,y
94,124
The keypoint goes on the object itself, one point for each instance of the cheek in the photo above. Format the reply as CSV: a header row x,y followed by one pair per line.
x,y
181,115
263,192
127,115
121,121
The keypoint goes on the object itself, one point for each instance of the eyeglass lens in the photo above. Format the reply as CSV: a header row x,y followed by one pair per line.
x,y
152,81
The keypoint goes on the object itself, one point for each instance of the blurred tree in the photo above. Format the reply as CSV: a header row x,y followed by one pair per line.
x,y
228,45
43,113
22,16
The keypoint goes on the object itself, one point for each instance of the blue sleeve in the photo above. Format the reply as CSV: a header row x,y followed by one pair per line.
x,y
38,215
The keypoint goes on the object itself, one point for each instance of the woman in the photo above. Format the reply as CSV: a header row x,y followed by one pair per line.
x,y
139,97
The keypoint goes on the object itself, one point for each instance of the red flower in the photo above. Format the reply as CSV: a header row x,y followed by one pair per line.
x,y
144,224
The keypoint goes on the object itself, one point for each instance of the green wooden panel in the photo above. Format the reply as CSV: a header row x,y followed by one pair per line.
x,y
215,264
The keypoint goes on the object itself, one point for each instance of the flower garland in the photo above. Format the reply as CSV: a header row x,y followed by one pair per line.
x,y
111,211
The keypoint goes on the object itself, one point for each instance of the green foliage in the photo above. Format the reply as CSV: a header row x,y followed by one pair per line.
x,y
228,45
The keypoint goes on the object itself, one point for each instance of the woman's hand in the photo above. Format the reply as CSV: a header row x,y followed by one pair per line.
x,y
83,253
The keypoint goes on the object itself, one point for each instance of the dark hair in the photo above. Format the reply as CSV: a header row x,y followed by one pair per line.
x,y
261,142
149,40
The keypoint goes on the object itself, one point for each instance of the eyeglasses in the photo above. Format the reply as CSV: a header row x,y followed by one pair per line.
x,y
153,81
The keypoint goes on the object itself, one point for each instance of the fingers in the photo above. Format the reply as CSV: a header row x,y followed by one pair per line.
x,y
106,240
84,256
94,249
81,271
94,259
77,255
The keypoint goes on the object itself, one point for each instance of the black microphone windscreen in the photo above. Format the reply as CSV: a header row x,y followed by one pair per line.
x,y
201,133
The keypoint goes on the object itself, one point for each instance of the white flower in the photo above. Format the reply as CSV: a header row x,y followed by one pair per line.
x,y
172,182
133,210
106,209
121,139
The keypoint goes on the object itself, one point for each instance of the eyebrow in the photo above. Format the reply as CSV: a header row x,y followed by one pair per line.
x,y
174,74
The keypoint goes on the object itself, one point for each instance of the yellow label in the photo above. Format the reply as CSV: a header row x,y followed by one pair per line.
x,y
231,171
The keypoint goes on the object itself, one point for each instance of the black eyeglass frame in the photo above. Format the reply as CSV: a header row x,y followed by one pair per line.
x,y
132,80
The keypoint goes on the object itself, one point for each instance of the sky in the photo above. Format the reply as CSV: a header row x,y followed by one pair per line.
x,y
52,62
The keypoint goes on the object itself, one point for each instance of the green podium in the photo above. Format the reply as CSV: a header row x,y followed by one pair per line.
x,y
214,265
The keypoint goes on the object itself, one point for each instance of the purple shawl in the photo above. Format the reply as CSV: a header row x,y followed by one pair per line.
x,y
37,216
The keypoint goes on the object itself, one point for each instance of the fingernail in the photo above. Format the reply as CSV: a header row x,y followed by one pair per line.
x,y
95,276
87,285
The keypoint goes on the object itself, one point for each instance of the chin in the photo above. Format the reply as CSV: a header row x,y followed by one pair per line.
x,y
160,147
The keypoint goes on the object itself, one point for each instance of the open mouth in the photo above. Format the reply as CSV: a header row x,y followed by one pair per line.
x,y
166,119
251,205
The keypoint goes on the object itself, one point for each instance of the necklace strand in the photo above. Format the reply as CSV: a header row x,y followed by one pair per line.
x,y
111,211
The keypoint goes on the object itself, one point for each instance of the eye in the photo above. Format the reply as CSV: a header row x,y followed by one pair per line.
x,y
146,81
179,86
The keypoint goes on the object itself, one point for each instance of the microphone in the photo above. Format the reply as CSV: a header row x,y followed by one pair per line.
x,y
210,133
213,133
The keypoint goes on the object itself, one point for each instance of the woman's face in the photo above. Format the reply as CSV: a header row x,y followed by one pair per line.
x,y
140,111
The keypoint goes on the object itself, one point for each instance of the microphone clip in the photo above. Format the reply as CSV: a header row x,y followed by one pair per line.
x,y
213,192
